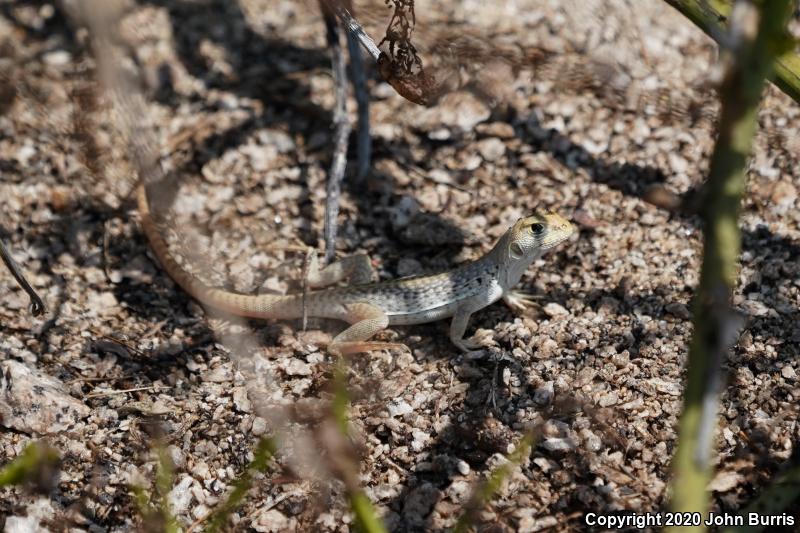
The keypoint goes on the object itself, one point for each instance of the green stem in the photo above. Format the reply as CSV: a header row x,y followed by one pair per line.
x,y
165,477
492,485
35,461
715,323
366,518
711,16
264,452
784,491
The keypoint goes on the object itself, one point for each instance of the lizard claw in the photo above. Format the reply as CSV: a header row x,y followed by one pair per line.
x,y
477,342
519,301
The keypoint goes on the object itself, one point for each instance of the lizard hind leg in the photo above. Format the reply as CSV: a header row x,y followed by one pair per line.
x,y
356,269
366,320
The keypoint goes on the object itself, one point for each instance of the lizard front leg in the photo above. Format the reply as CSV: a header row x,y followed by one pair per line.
x,y
356,269
367,320
458,326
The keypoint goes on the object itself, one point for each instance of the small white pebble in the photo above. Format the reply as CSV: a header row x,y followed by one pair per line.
x,y
259,426
558,444
398,408
555,310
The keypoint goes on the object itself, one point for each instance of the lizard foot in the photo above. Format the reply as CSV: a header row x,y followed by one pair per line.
x,y
519,301
476,343
467,345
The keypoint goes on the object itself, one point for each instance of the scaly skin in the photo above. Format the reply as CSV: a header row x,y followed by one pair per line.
x,y
371,307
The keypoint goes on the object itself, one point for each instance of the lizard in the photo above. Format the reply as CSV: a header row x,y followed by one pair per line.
x,y
370,307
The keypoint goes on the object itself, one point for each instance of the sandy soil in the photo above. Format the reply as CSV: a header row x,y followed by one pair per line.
x,y
240,98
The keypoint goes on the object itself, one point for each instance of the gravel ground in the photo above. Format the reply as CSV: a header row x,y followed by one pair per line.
x,y
240,97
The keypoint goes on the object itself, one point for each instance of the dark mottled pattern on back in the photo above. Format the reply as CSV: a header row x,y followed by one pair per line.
x,y
418,293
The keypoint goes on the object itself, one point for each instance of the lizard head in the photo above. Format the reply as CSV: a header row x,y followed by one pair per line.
x,y
528,239
531,236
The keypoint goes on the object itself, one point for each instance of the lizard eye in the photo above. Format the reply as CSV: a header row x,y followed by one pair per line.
x,y
537,229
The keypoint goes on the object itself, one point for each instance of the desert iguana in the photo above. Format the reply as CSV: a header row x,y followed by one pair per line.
x,y
370,307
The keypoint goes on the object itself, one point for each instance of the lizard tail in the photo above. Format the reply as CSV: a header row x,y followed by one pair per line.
x,y
244,305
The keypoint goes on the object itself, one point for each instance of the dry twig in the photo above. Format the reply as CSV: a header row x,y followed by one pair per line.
x,y
342,127
36,305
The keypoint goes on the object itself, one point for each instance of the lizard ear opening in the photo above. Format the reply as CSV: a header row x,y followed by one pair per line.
x,y
515,250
